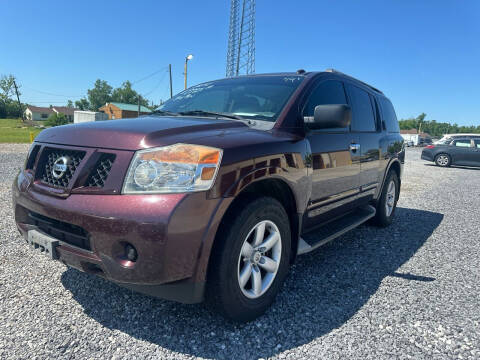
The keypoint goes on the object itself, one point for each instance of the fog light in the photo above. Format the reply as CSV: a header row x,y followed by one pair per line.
x,y
131,253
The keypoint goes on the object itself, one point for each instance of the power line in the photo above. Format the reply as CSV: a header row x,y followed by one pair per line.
x,y
149,76
156,86
49,93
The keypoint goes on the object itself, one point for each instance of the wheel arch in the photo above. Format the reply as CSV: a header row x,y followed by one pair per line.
x,y
274,187
396,166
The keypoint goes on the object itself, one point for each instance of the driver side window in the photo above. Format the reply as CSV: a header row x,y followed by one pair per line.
x,y
326,93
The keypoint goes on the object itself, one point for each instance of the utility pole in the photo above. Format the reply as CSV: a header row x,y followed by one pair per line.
x,y
170,71
20,113
138,105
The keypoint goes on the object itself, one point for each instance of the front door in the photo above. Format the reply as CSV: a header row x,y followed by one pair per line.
x,y
334,162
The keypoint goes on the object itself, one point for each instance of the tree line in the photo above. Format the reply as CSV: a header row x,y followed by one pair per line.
x,y
102,93
97,96
435,128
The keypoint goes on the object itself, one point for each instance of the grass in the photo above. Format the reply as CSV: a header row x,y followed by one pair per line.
x,y
14,131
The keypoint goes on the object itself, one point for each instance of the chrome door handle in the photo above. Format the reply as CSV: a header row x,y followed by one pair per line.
x,y
354,147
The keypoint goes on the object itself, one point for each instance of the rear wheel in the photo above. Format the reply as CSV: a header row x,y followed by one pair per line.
x,y
387,203
251,259
442,160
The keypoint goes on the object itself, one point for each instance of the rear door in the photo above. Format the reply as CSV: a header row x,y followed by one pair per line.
x,y
366,127
462,152
476,154
335,167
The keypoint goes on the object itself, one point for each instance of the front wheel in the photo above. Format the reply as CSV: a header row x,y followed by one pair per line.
x,y
250,260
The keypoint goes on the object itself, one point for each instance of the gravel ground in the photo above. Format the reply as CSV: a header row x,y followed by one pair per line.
x,y
409,291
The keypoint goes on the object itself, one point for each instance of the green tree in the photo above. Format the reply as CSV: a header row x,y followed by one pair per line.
x,y
99,95
82,104
56,119
125,94
70,104
420,119
9,106
7,88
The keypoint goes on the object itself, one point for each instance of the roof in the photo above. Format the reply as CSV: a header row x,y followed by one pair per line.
x,y
129,107
352,78
409,131
302,72
64,110
414,132
461,134
39,109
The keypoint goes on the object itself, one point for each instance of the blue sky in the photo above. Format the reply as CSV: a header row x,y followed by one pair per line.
x,y
424,55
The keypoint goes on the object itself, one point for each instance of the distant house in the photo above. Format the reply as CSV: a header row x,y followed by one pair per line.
x,y
65,110
37,113
116,110
414,135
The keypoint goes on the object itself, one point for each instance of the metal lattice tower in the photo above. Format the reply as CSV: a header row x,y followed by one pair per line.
x,y
241,38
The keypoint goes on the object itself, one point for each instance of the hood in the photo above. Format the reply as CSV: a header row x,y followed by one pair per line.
x,y
138,133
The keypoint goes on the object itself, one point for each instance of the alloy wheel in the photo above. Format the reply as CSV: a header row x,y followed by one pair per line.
x,y
259,259
442,160
390,198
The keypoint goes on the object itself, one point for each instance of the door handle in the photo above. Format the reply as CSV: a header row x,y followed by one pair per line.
x,y
354,147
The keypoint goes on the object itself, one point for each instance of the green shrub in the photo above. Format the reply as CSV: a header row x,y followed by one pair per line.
x,y
56,119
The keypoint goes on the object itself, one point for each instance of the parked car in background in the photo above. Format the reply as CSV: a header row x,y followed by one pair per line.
x,y
215,194
409,143
458,149
427,141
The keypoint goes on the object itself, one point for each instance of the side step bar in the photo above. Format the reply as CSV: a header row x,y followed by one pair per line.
x,y
334,229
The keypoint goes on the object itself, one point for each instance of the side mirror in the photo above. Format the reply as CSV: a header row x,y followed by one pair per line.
x,y
329,117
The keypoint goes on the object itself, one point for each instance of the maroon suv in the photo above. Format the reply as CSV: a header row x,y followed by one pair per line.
x,y
215,194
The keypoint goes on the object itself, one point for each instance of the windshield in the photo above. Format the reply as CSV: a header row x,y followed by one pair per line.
x,y
444,141
249,97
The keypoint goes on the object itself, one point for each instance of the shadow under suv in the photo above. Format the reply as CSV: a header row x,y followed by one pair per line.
x,y
215,194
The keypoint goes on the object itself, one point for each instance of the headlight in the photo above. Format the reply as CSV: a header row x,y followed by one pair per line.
x,y
172,169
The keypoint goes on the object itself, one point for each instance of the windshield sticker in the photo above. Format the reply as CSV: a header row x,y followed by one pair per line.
x,y
292,78
192,91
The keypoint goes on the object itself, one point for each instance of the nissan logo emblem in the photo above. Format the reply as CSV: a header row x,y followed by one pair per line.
x,y
60,167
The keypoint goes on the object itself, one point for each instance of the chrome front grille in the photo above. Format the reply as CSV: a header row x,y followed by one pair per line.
x,y
47,161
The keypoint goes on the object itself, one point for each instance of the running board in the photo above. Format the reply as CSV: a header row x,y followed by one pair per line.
x,y
334,229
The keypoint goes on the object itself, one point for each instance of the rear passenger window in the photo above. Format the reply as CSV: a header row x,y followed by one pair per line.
x,y
362,110
388,115
326,93
477,144
462,143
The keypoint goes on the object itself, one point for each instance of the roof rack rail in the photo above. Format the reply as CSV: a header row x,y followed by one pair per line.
x,y
351,77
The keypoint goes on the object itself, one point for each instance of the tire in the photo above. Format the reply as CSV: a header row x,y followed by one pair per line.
x,y
387,203
231,259
443,160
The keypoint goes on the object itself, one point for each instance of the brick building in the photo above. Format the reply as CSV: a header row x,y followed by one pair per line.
x,y
116,110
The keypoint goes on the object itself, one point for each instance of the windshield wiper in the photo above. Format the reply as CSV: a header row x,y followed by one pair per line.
x,y
163,112
210,113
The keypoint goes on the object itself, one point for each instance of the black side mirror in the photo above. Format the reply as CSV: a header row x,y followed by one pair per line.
x,y
329,117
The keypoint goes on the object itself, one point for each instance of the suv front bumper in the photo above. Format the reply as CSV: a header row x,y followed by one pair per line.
x,y
168,232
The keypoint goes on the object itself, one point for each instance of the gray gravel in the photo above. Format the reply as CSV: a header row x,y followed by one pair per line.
x,y
409,291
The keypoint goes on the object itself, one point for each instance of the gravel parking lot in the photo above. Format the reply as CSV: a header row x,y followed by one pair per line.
x,y
409,291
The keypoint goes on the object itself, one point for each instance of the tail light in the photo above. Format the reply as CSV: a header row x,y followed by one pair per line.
x,y
430,146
